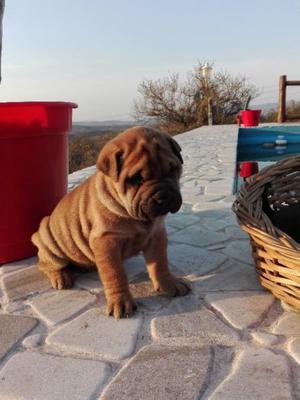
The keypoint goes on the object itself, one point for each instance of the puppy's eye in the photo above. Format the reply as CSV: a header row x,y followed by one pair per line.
x,y
136,179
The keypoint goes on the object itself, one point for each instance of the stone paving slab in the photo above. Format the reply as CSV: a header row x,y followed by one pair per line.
x,y
17,265
85,282
20,284
181,220
34,376
162,373
12,330
212,224
193,260
265,338
256,374
134,267
57,306
198,207
288,324
294,348
239,250
233,276
189,318
220,187
236,233
197,236
96,335
241,309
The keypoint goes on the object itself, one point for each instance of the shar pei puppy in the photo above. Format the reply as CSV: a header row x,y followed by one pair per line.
x,y
115,214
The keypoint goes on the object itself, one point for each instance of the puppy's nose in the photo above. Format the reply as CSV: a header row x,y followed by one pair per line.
x,y
163,197
168,201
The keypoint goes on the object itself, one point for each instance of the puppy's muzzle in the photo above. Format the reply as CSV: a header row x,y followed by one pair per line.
x,y
167,200
163,198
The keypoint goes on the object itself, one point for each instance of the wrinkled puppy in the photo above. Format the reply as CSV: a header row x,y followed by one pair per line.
x,y
116,213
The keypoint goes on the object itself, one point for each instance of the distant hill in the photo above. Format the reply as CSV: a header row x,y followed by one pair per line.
x,y
105,123
98,127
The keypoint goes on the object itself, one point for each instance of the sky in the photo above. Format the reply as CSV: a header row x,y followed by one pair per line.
x,y
96,52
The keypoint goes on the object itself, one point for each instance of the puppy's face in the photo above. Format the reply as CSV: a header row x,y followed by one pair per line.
x,y
144,167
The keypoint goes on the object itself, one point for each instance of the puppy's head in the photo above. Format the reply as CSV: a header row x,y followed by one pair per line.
x,y
144,166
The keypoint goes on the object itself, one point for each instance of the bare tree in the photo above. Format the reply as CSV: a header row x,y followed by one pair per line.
x,y
179,106
165,100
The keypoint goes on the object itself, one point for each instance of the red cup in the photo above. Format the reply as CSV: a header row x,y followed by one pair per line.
x,y
248,168
250,117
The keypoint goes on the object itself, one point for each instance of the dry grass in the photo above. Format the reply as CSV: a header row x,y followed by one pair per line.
x,y
84,149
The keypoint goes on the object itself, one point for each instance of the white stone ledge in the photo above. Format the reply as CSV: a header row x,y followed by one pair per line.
x,y
209,153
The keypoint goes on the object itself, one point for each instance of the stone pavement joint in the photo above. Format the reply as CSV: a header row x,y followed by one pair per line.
x,y
12,329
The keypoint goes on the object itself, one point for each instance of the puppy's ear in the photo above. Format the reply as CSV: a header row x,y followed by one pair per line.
x,y
176,148
110,161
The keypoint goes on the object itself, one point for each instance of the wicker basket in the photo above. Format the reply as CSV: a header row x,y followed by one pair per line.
x,y
276,255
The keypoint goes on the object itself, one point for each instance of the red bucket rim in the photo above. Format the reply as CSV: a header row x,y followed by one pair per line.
x,y
258,110
39,103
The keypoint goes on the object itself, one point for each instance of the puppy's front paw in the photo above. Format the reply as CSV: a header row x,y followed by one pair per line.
x,y
120,305
61,279
173,286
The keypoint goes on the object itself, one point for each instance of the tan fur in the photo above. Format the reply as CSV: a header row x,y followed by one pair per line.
x,y
108,218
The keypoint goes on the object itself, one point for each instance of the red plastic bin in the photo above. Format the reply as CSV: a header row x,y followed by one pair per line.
x,y
250,117
33,170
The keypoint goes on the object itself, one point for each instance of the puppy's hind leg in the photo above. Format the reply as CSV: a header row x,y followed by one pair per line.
x,y
51,260
60,276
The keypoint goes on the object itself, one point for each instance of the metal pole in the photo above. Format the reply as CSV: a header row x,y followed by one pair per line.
x,y
206,73
282,99
210,120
